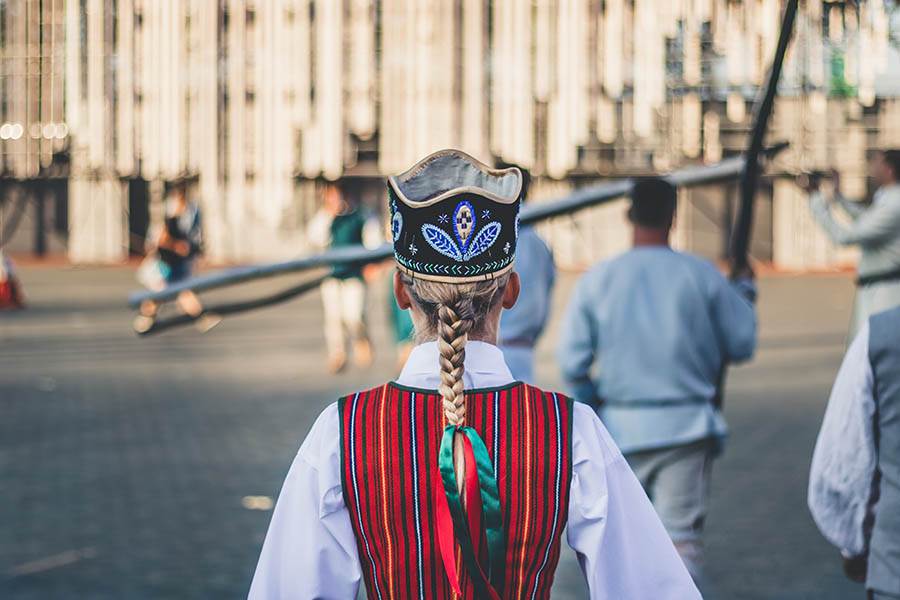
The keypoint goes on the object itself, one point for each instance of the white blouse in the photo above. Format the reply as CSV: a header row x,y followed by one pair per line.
x,y
310,549
845,458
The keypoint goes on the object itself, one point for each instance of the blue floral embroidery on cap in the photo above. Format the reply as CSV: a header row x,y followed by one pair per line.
x,y
484,240
396,225
441,241
464,223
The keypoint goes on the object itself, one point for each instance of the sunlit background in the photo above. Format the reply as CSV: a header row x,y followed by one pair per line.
x,y
105,102
148,468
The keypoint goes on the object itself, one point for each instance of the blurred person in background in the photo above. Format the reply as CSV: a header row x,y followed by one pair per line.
x,y
876,230
523,324
10,288
401,325
173,259
337,224
660,325
854,481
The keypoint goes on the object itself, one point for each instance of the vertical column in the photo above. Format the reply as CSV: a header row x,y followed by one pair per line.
x,y
361,110
149,86
205,30
329,85
473,95
392,85
95,99
521,117
300,62
125,88
236,122
500,76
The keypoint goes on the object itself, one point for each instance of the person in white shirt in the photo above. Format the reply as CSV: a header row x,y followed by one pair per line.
x,y
876,230
455,480
335,225
644,340
854,480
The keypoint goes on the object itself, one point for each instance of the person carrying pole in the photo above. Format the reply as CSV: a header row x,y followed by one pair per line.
x,y
876,230
660,325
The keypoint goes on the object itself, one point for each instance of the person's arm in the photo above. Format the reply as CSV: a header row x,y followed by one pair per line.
x,y
621,544
734,315
310,549
318,230
854,209
872,228
577,344
195,236
844,459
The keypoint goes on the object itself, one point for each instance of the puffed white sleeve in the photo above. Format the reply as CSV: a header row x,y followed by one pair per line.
x,y
310,548
621,544
845,457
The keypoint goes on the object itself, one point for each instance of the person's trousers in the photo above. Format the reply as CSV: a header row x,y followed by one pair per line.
x,y
344,301
873,595
677,481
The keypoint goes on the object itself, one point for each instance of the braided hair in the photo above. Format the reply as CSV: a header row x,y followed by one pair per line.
x,y
453,312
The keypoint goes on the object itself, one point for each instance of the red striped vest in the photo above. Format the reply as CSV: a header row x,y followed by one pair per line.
x,y
390,437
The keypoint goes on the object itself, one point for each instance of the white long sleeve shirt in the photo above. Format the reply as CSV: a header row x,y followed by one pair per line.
x,y
310,549
659,324
844,460
876,229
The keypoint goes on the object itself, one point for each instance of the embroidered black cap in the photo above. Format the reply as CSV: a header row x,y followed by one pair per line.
x,y
454,219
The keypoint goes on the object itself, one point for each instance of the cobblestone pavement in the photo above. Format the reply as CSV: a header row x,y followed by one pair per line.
x,y
126,463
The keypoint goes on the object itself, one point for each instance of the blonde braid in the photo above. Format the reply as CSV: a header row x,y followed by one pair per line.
x,y
453,332
452,336
452,312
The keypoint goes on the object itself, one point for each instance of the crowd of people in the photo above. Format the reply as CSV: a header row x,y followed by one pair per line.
x,y
490,469
645,342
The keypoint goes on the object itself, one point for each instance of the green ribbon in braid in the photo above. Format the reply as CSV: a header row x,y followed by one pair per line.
x,y
490,501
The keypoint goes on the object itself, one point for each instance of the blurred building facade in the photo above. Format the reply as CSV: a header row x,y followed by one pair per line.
x,y
105,103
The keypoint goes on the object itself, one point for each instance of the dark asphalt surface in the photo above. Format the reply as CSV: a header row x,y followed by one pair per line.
x,y
126,463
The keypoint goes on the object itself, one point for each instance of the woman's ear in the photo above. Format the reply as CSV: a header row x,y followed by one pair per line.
x,y
511,293
400,292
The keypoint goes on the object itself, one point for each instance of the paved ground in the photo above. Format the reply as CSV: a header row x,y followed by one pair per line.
x,y
125,463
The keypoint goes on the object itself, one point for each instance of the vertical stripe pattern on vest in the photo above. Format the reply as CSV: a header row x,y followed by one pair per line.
x,y
390,437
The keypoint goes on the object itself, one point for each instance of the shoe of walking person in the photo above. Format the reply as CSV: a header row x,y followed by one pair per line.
x,y
142,324
337,363
362,354
207,321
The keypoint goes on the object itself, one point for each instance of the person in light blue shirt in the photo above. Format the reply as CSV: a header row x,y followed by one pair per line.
x,y
645,340
523,324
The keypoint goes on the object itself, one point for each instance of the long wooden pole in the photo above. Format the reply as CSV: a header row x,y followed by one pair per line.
x,y
762,112
586,197
749,179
